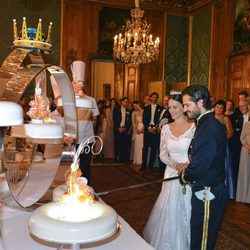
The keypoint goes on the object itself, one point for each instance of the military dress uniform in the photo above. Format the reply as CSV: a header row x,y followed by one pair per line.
x,y
206,174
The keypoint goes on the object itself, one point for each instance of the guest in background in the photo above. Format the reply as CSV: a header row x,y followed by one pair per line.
x,y
151,138
122,131
165,118
99,118
242,96
165,115
109,138
138,130
219,110
100,128
238,119
133,132
147,101
229,108
243,183
213,101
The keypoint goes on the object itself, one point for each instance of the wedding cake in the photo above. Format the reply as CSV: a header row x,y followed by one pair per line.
x,y
44,131
71,222
74,216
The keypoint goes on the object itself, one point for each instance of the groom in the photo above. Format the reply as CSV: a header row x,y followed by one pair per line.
x,y
206,170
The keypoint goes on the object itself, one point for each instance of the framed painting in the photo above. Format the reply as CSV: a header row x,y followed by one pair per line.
x,y
242,25
111,21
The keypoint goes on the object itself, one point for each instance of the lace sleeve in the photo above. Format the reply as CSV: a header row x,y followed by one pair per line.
x,y
164,153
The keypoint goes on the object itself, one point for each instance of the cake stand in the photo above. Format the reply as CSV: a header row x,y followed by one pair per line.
x,y
21,69
54,222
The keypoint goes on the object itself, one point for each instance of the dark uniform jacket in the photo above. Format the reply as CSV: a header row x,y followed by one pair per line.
x,y
207,152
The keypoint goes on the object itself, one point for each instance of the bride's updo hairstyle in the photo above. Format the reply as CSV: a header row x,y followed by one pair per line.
x,y
176,97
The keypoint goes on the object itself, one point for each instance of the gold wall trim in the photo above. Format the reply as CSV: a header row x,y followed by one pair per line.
x,y
164,87
62,33
211,49
190,40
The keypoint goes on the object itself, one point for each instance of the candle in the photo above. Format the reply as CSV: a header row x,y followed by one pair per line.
x,y
115,39
150,38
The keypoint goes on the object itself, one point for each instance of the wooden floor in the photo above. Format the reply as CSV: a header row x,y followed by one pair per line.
x,y
135,205
236,225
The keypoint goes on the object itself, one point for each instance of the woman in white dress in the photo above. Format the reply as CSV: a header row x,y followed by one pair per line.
x,y
138,128
168,227
243,183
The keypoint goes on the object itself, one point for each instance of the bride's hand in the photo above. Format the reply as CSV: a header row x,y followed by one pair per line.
x,y
181,166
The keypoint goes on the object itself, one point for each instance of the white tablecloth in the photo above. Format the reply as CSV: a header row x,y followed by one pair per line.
x,y
16,235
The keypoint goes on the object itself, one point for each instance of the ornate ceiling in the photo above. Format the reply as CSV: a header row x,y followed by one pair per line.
x,y
182,6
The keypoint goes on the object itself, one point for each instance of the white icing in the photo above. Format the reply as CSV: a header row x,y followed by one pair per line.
x,y
44,130
94,222
11,114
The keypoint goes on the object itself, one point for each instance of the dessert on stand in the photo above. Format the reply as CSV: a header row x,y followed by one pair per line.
x,y
74,217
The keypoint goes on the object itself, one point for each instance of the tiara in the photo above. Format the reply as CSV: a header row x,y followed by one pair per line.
x,y
31,37
175,92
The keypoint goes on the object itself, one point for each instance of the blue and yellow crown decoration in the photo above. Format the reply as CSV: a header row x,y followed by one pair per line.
x,y
32,38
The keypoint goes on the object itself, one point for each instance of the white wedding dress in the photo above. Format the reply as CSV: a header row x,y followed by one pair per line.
x,y
168,227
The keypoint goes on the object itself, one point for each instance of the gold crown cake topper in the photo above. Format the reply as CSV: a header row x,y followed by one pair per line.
x,y
31,37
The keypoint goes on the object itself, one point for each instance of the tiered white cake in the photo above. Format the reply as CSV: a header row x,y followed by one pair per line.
x,y
44,130
70,220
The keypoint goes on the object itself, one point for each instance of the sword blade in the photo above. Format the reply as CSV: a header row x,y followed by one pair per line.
x,y
137,186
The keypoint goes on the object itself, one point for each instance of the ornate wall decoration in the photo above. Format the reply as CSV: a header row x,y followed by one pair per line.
x,y
201,48
111,22
176,49
242,26
33,5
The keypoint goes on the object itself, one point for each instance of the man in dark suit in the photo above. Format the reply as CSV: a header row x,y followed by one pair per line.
x,y
151,139
206,170
122,131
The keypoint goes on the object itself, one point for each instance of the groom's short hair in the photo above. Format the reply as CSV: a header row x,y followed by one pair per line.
x,y
198,92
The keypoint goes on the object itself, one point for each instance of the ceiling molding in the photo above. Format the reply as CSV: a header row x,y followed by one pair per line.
x,y
182,7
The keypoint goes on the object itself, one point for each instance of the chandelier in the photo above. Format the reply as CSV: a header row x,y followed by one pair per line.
x,y
136,45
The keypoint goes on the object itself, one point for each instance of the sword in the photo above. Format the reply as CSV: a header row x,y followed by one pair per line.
x,y
137,186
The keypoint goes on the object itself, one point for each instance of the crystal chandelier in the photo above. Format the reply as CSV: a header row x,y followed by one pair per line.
x,y
136,45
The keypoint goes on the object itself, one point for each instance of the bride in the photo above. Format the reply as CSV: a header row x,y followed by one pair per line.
x,y
168,227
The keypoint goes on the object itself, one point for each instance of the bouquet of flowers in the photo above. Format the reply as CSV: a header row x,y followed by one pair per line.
x,y
39,107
